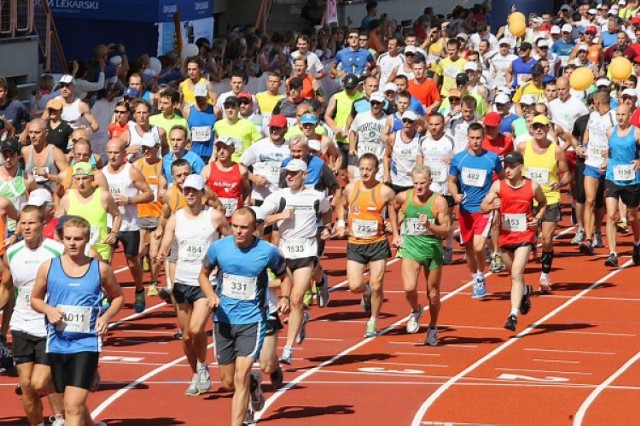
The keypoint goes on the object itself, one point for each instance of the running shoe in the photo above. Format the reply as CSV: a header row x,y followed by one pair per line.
x,y
586,248
248,418
204,380
165,294
146,266
612,260
597,240
365,302
152,290
511,323
303,329
192,390
140,302
178,335
578,238
525,303
277,378
622,226
497,264
18,390
257,397
479,289
57,420
545,285
636,254
413,324
432,336
323,292
399,253
371,331
307,300
287,355
447,256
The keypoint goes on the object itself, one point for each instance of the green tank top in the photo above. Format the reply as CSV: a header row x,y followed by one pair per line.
x,y
96,215
519,127
344,103
16,191
418,242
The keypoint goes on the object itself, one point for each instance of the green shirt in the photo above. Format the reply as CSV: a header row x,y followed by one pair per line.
x,y
242,129
165,123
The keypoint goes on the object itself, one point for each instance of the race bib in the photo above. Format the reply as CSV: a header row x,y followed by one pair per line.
x,y
595,154
439,173
94,235
370,147
76,319
540,175
239,287
192,250
514,222
474,177
297,248
39,178
154,191
116,188
23,301
415,228
270,170
522,78
364,228
230,205
451,72
623,172
201,134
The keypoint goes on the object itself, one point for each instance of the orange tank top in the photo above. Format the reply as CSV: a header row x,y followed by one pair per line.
x,y
593,53
366,224
176,199
151,173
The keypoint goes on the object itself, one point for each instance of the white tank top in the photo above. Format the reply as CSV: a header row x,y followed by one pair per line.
x,y
24,264
433,152
194,236
71,113
403,158
120,183
136,138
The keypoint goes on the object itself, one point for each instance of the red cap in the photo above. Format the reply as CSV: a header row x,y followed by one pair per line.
x,y
244,95
492,119
591,29
278,121
636,60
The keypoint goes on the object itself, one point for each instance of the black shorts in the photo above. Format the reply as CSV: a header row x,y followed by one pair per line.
x,y
130,242
77,370
580,195
450,201
184,293
513,247
294,264
398,189
28,348
630,195
232,341
366,253
273,324
552,214
346,159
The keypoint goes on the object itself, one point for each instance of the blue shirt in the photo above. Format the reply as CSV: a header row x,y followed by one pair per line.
x,y
609,39
622,151
505,123
562,48
314,169
193,159
243,281
416,106
353,61
474,174
201,119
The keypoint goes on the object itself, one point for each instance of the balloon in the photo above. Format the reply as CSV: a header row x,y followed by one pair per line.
x,y
189,50
517,28
581,78
155,65
620,68
517,17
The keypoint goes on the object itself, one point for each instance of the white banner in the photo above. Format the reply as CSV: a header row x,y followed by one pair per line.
x,y
331,15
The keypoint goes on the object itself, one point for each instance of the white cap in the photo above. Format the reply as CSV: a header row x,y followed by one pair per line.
x,y
567,28
537,20
200,90
593,12
630,92
544,42
410,115
230,141
115,61
315,145
622,3
390,87
377,97
67,79
506,40
613,10
150,140
462,36
555,29
603,82
410,49
422,52
194,181
39,197
502,98
504,89
583,46
528,100
470,65
599,6
295,165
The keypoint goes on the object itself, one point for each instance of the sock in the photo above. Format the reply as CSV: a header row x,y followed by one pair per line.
x,y
514,312
480,274
201,365
544,275
494,254
546,260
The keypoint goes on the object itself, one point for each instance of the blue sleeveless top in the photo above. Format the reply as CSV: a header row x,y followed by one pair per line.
x,y
622,151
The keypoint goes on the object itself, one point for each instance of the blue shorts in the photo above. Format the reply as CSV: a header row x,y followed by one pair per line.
x,y
593,172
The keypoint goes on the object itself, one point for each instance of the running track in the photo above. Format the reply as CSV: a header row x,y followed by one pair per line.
x,y
572,361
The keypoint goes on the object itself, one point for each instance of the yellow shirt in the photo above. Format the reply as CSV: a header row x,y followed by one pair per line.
x,y
449,69
543,169
267,101
243,129
166,123
528,88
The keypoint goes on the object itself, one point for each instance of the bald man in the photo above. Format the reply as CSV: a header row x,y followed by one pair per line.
x,y
42,160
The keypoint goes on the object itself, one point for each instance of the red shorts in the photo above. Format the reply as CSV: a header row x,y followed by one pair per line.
x,y
474,224
571,160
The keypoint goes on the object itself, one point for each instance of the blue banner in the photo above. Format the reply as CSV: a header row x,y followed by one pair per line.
x,y
131,10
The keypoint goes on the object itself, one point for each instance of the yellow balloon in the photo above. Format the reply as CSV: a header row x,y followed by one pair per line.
x,y
620,68
581,78
517,17
517,28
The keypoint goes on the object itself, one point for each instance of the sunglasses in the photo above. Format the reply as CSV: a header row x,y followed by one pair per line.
x,y
627,97
538,126
245,102
117,111
53,111
590,34
407,121
375,103
454,99
275,129
63,85
353,36
291,172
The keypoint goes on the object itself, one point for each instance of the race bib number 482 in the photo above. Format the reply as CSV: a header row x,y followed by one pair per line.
x,y
474,177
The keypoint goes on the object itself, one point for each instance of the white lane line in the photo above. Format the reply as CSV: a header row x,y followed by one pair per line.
x,y
577,420
569,352
535,370
405,364
419,416
416,353
589,333
559,361
134,352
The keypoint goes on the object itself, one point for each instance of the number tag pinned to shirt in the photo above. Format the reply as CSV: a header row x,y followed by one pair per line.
x,y
230,205
539,175
201,134
76,319
623,172
364,228
297,248
439,173
514,222
474,177
192,250
416,228
239,287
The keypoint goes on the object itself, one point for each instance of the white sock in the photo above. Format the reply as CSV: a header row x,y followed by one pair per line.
x,y
480,274
201,365
543,275
514,311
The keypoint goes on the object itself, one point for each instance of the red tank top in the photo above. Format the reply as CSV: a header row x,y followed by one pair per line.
x,y
227,186
515,211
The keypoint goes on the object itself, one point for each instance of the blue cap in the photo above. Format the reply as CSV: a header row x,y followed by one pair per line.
x,y
547,78
309,118
130,92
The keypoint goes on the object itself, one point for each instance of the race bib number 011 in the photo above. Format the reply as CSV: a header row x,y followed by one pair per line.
x,y
514,222
474,177
76,319
239,287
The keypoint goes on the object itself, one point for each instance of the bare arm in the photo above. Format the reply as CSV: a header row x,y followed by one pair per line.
x,y
86,113
6,289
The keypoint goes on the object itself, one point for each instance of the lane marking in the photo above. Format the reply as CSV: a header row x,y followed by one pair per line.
x,y
405,363
591,333
577,420
568,351
559,361
417,419
135,352
583,373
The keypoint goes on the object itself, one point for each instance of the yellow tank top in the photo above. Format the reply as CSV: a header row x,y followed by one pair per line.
x,y
366,223
151,174
96,215
344,103
543,169
187,92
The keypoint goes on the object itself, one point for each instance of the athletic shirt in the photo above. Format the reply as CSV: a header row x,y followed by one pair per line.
x,y
266,159
96,215
79,298
368,129
187,92
433,154
458,128
201,128
542,169
417,240
71,113
622,151
344,103
121,183
403,159
135,139
176,199
151,173
397,122
24,264
515,210
366,222
598,143
49,165
521,71
16,191
227,186
194,235
474,174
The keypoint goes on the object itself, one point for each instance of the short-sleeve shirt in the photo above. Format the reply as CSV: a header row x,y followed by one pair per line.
x,y
474,173
193,159
353,61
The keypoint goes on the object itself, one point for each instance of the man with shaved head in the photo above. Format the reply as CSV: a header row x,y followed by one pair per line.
x,y
128,187
42,160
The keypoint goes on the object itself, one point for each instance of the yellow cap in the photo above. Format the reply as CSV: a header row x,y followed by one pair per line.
x,y
82,168
540,119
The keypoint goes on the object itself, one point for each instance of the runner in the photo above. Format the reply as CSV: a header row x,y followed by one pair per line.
x,y
14,183
42,160
403,148
179,140
365,135
75,323
427,220
187,87
74,109
140,129
81,154
201,118
512,198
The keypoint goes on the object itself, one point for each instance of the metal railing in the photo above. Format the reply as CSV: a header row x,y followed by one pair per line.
x,y
16,17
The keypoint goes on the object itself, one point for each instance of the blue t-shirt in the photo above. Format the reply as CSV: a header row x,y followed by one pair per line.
x,y
199,121
193,159
314,170
242,280
416,106
563,48
474,174
353,62
609,39
505,123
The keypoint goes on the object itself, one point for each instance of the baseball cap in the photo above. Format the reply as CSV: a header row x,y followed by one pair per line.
x,y
583,46
10,144
622,3
565,8
410,49
295,83
350,81
543,43
39,197
525,46
591,29
296,165
229,141
461,79
231,100
613,10
390,87
115,61
514,157
540,119
314,144
309,118
149,140
635,20
244,95
462,36
629,92
54,103
200,90
130,92
505,40
593,12
278,121
547,79
194,181
409,115
492,119
471,66
502,98
603,82
377,97
82,168
528,100
67,79
567,28
555,29
537,20
455,93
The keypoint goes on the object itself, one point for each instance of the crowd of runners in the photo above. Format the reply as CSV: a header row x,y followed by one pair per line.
x,y
453,128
